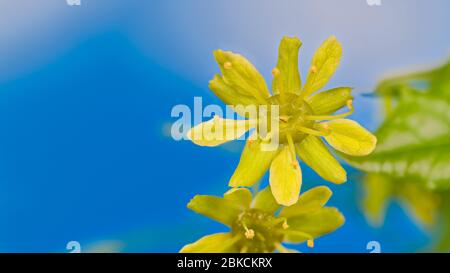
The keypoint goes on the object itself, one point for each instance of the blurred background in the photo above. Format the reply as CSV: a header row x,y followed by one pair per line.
x,y
86,94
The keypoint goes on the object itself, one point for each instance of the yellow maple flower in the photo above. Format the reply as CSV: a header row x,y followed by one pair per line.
x,y
258,224
305,116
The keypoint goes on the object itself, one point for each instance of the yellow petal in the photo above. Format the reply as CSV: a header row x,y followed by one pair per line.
x,y
285,178
240,75
349,137
328,102
286,76
214,243
220,209
240,196
265,201
309,201
316,224
315,154
217,131
230,96
324,64
253,164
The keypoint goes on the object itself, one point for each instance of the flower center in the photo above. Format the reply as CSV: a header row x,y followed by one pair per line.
x,y
260,231
292,120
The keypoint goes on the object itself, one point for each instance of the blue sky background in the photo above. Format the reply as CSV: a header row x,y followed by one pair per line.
x,y
85,100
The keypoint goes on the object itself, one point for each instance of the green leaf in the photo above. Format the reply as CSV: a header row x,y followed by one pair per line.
x,y
440,82
222,210
443,242
315,154
414,142
324,64
286,76
328,102
265,201
378,190
241,76
421,203
253,164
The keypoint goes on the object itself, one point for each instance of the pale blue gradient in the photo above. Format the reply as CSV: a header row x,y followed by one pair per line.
x,y
85,93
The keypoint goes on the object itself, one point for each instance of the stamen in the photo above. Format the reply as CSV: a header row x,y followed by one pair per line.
x,y
310,243
311,131
275,72
227,65
313,69
285,225
249,233
291,148
343,115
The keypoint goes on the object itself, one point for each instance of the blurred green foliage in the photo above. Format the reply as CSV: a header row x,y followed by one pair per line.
x,y
412,160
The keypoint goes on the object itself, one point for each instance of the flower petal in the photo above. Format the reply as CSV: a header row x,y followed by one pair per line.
x,y
316,155
349,137
296,236
328,102
318,223
230,96
217,131
265,201
240,75
286,76
214,243
324,64
217,208
309,201
241,196
285,178
253,164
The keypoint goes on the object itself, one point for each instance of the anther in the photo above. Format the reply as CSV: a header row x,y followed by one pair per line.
x,y
285,225
275,72
227,65
310,243
325,128
313,69
350,104
249,233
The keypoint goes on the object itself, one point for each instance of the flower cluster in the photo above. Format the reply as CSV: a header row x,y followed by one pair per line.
x,y
303,118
